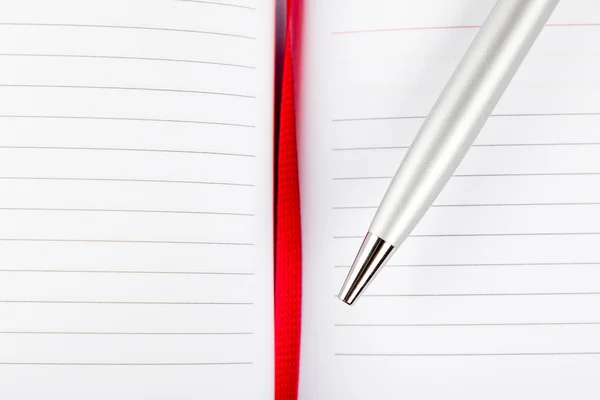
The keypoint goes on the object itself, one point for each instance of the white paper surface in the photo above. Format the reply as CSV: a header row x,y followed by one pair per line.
x,y
496,293
136,199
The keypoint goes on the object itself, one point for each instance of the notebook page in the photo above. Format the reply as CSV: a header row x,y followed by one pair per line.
x,y
496,293
136,199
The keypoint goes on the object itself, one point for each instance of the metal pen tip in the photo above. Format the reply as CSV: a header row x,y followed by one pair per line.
x,y
373,254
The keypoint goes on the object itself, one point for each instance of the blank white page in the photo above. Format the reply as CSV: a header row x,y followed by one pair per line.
x,y
496,294
136,199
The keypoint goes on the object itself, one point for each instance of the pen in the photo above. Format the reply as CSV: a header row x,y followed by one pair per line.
x,y
448,131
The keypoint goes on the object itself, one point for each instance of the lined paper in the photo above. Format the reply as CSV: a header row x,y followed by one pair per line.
x,y
495,294
136,210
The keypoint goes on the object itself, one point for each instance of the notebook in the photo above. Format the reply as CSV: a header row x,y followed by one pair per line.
x,y
137,224
496,293
136,159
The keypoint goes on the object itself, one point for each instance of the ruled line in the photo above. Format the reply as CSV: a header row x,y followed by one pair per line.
x,y
141,272
474,145
465,354
123,364
373,148
466,324
126,88
483,294
172,60
128,27
485,234
411,28
449,27
480,205
219,4
212,153
233,214
130,333
160,303
580,114
529,174
35,178
125,241
524,264
179,121
378,118
355,178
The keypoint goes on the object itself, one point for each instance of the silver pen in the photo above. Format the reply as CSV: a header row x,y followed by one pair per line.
x,y
448,132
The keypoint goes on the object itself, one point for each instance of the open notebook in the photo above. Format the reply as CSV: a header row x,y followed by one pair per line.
x,y
497,293
136,206
136,153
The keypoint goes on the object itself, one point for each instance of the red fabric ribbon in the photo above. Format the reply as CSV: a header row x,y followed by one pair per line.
x,y
288,249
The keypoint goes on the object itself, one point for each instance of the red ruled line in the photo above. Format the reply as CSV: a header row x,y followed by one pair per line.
x,y
433,28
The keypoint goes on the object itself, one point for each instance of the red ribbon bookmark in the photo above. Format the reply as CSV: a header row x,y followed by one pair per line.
x,y
288,249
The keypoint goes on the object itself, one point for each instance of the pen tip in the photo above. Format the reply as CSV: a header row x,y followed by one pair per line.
x,y
347,300
373,254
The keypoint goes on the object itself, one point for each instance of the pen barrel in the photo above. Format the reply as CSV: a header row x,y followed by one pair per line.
x,y
459,114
